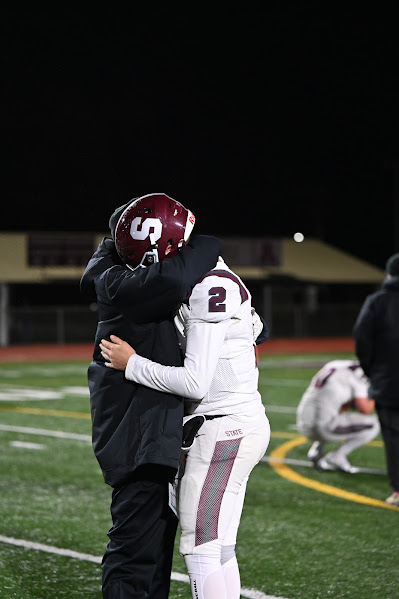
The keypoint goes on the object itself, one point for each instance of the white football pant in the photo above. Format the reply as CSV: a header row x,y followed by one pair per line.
x,y
211,499
352,429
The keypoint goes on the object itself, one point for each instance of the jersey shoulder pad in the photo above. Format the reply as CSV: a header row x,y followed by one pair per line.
x,y
217,296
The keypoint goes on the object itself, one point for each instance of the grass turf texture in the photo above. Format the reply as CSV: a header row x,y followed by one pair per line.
x,y
293,541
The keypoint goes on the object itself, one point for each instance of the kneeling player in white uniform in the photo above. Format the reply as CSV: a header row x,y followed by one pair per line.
x,y
219,380
336,408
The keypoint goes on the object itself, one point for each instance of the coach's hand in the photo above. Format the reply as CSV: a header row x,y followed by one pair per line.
x,y
116,352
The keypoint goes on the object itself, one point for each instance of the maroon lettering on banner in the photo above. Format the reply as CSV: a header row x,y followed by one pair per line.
x,y
269,254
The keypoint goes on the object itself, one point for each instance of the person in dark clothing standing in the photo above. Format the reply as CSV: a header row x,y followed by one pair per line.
x,y
136,431
376,335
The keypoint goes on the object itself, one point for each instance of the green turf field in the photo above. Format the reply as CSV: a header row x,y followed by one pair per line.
x,y
304,534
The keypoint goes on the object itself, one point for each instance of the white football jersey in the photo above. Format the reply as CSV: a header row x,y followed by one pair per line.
x,y
338,382
220,374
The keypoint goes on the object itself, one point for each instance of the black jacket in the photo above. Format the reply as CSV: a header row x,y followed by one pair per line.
x,y
376,334
134,425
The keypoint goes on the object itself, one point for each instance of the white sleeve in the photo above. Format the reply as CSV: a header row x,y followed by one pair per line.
x,y
360,387
204,344
213,303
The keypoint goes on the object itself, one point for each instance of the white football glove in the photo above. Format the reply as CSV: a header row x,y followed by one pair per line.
x,y
257,324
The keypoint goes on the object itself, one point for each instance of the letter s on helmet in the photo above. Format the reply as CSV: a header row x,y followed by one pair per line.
x,y
148,225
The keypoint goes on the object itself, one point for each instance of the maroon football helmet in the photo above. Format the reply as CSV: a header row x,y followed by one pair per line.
x,y
148,225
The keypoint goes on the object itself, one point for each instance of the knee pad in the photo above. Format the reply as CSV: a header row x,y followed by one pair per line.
x,y
206,576
227,554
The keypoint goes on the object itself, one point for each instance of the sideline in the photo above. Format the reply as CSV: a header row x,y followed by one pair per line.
x,y
87,557
285,472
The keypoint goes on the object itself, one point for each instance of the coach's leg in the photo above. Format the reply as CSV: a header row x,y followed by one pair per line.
x,y
137,538
161,583
389,419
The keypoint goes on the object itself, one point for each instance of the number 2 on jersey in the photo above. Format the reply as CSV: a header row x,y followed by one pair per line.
x,y
218,296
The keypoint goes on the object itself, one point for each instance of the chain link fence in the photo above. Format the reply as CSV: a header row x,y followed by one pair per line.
x,y
52,324
77,324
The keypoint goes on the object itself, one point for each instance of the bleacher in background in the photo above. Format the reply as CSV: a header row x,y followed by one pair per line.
x,y
307,289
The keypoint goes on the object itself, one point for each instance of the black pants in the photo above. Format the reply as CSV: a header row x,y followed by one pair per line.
x,y
389,421
137,562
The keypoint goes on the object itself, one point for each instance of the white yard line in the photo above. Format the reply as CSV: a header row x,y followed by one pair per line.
x,y
87,439
20,393
285,382
26,445
280,409
308,464
52,371
87,557
289,461
45,432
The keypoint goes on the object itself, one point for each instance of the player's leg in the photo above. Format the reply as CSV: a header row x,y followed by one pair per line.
x,y
316,450
204,570
252,448
211,502
361,429
306,423
206,577
231,571
228,556
352,430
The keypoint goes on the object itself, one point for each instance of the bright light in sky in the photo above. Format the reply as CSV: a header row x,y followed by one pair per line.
x,y
298,237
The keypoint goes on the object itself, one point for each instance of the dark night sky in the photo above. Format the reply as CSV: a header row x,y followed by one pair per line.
x,y
262,121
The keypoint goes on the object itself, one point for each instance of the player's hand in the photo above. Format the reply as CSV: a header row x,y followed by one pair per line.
x,y
116,352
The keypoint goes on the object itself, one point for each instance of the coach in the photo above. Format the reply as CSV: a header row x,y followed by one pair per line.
x,y
136,431
376,334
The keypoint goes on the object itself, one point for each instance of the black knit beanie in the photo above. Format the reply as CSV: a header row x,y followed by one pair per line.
x,y
115,216
392,265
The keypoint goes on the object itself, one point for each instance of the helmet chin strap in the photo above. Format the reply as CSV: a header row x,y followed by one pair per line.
x,y
151,255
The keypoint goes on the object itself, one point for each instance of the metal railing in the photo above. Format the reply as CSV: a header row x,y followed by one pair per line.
x,y
77,324
329,320
52,324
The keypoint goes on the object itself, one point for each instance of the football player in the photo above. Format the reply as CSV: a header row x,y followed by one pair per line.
x,y
136,431
219,380
336,408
